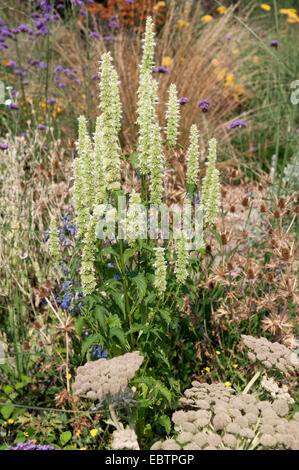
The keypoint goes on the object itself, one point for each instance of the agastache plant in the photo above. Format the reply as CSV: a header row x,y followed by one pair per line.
x,y
193,155
157,166
209,178
172,115
99,164
110,139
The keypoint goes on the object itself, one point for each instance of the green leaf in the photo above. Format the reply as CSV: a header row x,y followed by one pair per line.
x,y
119,334
114,321
7,410
79,322
65,437
7,389
164,391
164,420
100,316
129,252
88,342
217,235
119,300
140,282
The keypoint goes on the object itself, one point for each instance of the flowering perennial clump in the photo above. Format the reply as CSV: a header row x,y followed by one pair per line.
x,y
106,376
220,419
270,355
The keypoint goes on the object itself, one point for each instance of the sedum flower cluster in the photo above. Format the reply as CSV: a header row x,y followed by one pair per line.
x,y
275,390
98,378
125,439
219,419
269,355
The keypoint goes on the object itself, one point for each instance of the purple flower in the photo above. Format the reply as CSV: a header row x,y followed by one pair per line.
x,y
160,69
67,72
204,105
109,38
57,79
183,100
78,3
237,123
14,92
94,34
275,43
30,445
76,81
3,45
229,38
24,134
13,106
42,65
62,85
58,68
113,24
95,77
51,100
129,2
34,62
42,127
11,64
3,146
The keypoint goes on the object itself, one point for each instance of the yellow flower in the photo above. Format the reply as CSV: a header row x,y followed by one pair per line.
x,y
215,62
10,421
221,74
159,5
265,7
235,51
207,369
69,376
26,434
93,432
229,80
206,19
239,89
78,433
221,10
287,11
235,366
82,448
227,384
166,61
218,353
256,59
182,24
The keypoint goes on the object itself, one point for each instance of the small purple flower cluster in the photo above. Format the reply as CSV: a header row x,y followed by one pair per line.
x,y
204,105
183,100
237,123
67,72
30,445
160,69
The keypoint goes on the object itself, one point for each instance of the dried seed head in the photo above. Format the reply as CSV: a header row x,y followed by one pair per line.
x,y
282,202
245,202
224,238
250,273
263,208
277,214
285,254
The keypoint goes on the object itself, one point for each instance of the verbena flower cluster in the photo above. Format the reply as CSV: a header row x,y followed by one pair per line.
x,y
31,445
270,355
220,420
106,376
